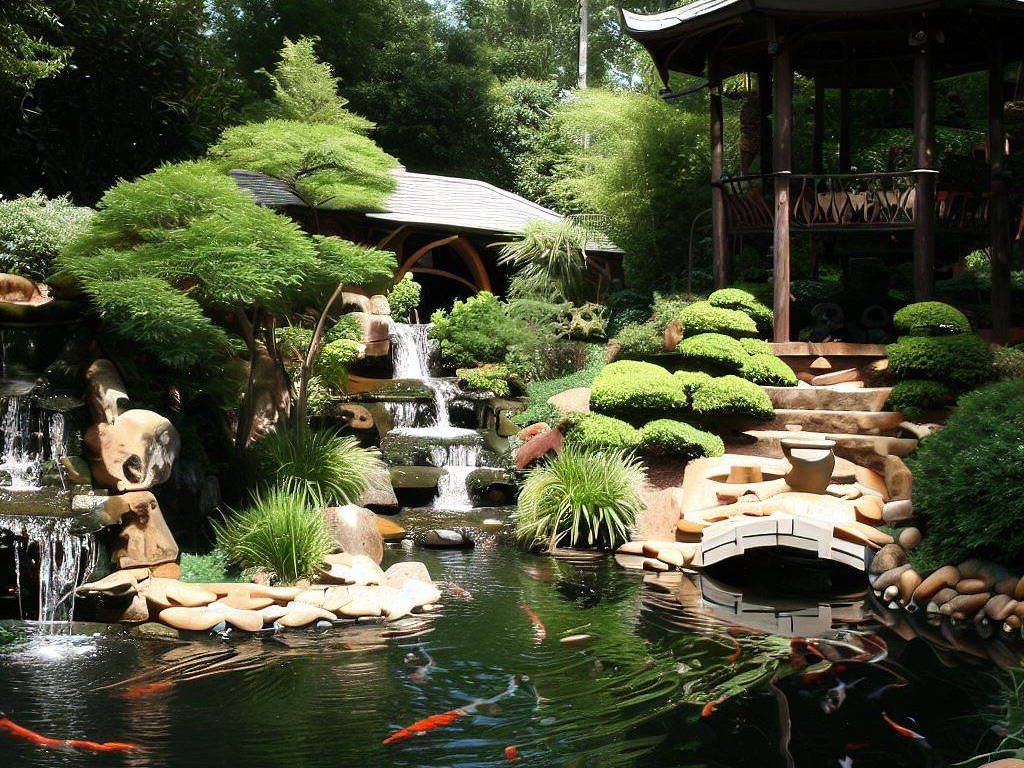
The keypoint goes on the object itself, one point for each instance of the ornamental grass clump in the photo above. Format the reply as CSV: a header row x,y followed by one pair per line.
x,y
326,466
580,498
282,530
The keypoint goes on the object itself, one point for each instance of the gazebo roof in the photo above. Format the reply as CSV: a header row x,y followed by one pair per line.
x,y
864,43
437,202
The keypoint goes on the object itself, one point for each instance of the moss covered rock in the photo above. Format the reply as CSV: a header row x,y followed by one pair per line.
x,y
704,317
930,318
594,431
963,360
637,391
731,396
677,438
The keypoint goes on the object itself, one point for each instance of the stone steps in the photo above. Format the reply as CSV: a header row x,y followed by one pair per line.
x,y
845,422
866,450
840,397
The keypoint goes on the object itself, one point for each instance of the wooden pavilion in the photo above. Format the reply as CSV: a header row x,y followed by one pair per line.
x,y
847,44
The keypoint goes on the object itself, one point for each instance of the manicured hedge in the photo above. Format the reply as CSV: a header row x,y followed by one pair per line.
x,y
735,298
594,431
731,396
768,371
930,318
704,317
716,350
677,438
963,360
757,347
641,339
692,380
913,397
637,391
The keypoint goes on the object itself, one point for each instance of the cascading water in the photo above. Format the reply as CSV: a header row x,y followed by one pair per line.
x,y
461,448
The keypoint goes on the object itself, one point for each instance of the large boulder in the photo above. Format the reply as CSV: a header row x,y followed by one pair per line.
x,y
105,392
135,452
374,327
354,531
144,539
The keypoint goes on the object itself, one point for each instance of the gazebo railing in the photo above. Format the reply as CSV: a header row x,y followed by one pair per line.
x,y
875,201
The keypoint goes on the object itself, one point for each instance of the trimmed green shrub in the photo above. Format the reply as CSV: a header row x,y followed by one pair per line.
x,y
283,530
677,438
963,360
641,339
913,397
713,349
930,318
328,467
667,307
333,361
592,431
757,346
692,380
731,396
747,303
1008,362
637,391
476,331
488,378
580,498
404,297
702,317
768,371
969,480
539,390
33,229
210,567
346,327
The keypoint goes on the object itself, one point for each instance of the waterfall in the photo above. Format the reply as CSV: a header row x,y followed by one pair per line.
x,y
64,556
461,449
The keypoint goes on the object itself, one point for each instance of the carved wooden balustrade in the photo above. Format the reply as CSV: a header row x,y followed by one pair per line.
x,y
870,201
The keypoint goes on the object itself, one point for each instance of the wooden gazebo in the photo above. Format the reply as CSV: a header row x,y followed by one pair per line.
x,y
847,44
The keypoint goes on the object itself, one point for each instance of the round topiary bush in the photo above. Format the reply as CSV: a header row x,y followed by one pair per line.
x,y
691,381
963,360
593,431
757,346
677,438
930,318
969,480
913,397
704,317
747,303
637,391
715,350
768,371
727,396
641,340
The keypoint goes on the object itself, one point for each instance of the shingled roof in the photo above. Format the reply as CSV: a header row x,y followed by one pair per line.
x,y
439,202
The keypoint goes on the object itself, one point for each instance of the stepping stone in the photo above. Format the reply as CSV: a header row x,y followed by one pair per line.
x,y
193,619
835,377
842,397
398,574
390,530
572,401
844,421
441,538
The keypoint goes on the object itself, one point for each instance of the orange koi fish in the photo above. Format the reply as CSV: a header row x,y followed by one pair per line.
x,y
710,707
458,591
538,625
511,753
45,741
903,730
146,689
735,655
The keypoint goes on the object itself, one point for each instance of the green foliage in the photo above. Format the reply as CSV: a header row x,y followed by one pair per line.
x,y
757,346
930,318
211,567
586,321
703,317
327,467
33,230
637,391
963,360
24,58
969,479
333,361
627,308
580,498
346,327
542,355
318,397
404,297
549,262
488,378
641,339
594,432
734,298
283,530
913,397
1008,362
539,390
476,331
677,438
668,307
342,261
691,381
768,371
720,353
731,396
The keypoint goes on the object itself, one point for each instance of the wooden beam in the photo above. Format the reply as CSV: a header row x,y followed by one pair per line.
x,y
818,143
764,97
999,214
845,129
719,234
782,156
924,161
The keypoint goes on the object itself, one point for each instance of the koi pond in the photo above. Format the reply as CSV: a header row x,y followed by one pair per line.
x,y
537,660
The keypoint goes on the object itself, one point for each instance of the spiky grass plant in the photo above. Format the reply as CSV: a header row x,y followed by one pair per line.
x,y
325,465
283,530
550,261
580,498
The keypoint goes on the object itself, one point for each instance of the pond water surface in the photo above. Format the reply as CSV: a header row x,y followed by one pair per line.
x,y
632,695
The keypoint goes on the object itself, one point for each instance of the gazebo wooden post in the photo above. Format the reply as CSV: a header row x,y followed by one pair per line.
x,y
999,210
719,235
764,98
924,155
818,147
845,129
782,157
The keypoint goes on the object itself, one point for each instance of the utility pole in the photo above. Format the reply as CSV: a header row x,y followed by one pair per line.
x,y
584,30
